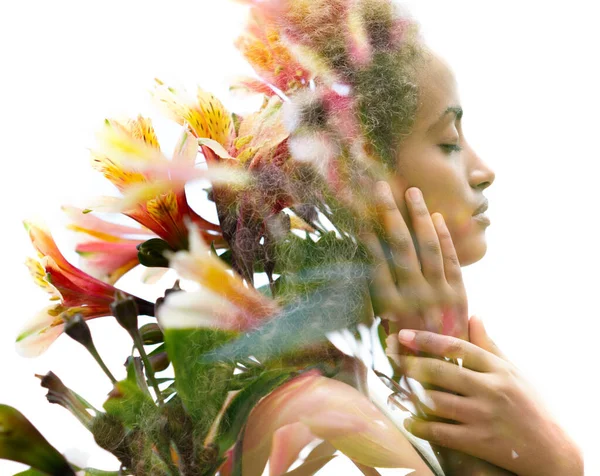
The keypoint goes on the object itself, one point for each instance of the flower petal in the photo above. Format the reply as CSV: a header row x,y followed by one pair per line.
x,y
98,228
196,309
40,332
201,265
108,261
38,273
263,48
205,114
288,441
329,409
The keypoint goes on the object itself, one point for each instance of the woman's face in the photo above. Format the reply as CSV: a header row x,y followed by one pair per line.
x,y
437,159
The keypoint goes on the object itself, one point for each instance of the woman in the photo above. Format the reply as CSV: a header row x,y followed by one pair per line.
x,y
489,411
406,103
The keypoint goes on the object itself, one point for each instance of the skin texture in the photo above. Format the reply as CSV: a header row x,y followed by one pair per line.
x,y
491,411
452,181
494,423
496,412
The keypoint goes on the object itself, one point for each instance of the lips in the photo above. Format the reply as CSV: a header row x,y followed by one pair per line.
x,y
482,208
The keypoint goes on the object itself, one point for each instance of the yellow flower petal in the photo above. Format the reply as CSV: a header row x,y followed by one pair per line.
x,y
205,114
41,331
38,273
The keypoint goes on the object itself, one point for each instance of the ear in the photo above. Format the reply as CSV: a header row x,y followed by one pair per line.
x,y
478,336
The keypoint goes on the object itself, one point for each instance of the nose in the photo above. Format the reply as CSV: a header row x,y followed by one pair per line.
x,y
481,176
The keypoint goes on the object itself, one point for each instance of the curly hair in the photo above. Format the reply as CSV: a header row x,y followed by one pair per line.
x,y
371,47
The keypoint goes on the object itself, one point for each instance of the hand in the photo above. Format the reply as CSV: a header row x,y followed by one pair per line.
x,y
419,290
493,414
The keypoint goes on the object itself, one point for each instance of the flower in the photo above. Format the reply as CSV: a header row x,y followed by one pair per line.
x,y
311,23
108,250
272,60
205,114
223,300
311,406
71,290
129,155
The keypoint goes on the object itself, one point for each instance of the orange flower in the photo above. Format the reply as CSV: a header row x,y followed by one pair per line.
x,y
204,114
272,60
72,291
223,301
129,156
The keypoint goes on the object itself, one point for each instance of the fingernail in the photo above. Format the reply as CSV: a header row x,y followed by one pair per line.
x,y
438,219
414,194
406,336
382,189
407,423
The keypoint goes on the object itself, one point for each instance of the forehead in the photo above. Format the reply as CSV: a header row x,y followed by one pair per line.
x,y
437,91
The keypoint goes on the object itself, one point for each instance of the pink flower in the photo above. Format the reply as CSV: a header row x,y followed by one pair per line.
x,y
72,291
312,406
108,250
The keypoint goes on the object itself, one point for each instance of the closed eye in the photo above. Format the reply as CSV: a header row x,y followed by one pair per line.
x,y
449,148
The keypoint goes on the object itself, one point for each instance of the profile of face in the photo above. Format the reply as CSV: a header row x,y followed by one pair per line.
x,y
436,158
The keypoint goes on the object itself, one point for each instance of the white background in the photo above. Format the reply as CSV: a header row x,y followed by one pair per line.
x,y
528,79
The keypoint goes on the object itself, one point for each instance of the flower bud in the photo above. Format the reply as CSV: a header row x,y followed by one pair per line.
x,y
151,253
60,394
125,310
109,434
159,362
77,329
151,334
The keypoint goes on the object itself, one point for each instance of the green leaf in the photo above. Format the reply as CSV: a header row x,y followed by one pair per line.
x,y
161,348
238,410
227,257
31,472
99,472
20,441
201,386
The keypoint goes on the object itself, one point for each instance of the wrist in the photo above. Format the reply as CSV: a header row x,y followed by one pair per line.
x,y
566,457
569,459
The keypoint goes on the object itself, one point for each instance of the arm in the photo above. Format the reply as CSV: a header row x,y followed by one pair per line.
x,y
492,413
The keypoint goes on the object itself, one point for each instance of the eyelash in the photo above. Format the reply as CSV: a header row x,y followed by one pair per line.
x,y
449,148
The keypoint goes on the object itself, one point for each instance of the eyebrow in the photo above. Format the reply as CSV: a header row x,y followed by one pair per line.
x,y
457,110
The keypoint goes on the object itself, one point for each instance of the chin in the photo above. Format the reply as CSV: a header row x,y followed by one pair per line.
x,y
471,251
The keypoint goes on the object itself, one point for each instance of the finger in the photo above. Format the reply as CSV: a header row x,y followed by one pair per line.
x,y
473,357
405,260
448,406
479,337
440,373
394,350
387,301
448,435
452,269
430,253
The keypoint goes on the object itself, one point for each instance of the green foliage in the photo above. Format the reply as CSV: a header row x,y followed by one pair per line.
x,y
132,406
20,441
201,386
238,410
